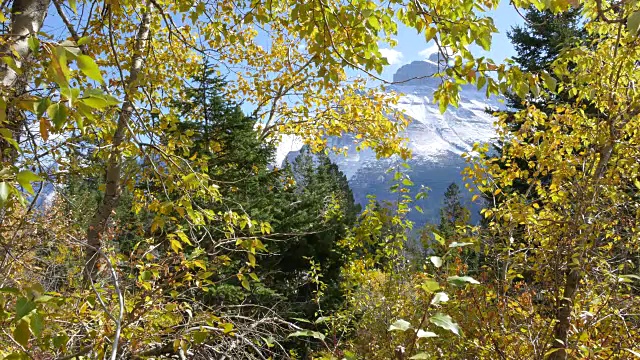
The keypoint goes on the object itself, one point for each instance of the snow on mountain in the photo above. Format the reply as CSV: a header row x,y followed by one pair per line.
x,y
436,140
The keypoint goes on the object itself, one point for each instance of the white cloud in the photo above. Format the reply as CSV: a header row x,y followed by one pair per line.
x,y
393,56
426,53
433,49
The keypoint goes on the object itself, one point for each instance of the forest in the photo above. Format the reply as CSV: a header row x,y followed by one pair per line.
x,y
143,216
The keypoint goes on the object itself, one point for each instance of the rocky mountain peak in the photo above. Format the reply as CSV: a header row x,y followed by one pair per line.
x,y
418,73
437,140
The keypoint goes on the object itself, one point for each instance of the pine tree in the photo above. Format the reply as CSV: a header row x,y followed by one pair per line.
x,y
538,43
544,35
453,213
308,203
322,210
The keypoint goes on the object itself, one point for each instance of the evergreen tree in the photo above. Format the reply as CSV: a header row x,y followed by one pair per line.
x,y
537,43
453,213
322,210
540,41
543,36
308,204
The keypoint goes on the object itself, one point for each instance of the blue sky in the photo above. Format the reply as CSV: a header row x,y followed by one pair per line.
x,y
412,46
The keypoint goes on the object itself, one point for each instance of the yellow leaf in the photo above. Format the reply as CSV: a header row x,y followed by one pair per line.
x,y
175,245
183,237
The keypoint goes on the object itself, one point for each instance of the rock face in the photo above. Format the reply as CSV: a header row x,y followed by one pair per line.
x,y
437,140
418,73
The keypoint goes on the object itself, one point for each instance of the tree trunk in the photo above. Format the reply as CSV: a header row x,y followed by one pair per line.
x,y
563,316
98,223
27,17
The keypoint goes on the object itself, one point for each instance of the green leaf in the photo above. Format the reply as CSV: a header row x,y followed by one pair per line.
x,y
183,237
146,275
430,33
8,137
374,22
60,67
438,238
25,178
551,351
439,298
43,298
70,94
95,102
111,100
79,121
628,278
11,62
60,340
308,333
71,49
430,286
89,68
633,23
175,245
442,106
456,244
482,81
22,333
200,336
41,106
420,356
58,114
37,324
24,307
3,110
436,260
270,341
462,280
15,356
407,182
10,290
83,40
425,334
4,193
245,284
444,321
549,81
400,325
189,178
34,44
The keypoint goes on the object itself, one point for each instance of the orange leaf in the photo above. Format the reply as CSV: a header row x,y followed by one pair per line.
x,y
44,128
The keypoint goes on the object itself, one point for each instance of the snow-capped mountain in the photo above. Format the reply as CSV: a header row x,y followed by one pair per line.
x,y
436,140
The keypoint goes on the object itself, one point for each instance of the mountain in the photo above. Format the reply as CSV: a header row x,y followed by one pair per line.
x,y
436,140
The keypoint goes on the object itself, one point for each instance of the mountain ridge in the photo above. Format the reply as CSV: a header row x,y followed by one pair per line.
x,y
436,140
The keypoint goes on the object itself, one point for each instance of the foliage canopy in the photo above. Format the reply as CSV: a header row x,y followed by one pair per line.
x,y
110,92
